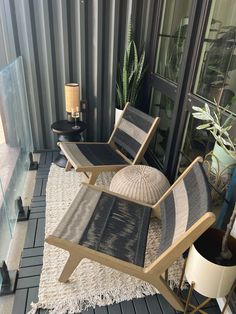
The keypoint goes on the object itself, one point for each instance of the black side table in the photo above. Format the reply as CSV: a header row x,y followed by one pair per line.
x,y
63,129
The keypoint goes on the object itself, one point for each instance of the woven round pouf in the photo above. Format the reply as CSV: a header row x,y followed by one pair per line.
x,y
141,183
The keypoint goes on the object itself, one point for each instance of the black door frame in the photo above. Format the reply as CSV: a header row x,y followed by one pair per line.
x,y
180,93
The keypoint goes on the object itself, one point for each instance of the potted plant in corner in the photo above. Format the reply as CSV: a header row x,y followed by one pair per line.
x,y
211,263
224,152
130,76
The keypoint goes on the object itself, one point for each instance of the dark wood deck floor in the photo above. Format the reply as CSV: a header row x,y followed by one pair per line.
x,y
32,255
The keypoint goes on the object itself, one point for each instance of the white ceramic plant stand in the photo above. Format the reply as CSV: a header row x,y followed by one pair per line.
x,y
207,278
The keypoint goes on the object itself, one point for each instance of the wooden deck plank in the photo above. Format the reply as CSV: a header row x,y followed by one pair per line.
x,y
43,171
45,166
49,158
43,192
39,198
114,309
39,238
42,158
37,209
200,298
140,306
20,301
101,310
28,282
38,204
164,305
42,175
37,215
153,304
55,154
31,261
88,311
30,236
38,187
30,271
32,297
32,252
127,307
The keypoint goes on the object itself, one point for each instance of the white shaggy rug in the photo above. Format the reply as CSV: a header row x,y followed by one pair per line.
x,y
91,284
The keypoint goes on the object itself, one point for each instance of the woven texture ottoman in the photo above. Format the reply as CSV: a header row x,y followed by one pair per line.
x,y
141,183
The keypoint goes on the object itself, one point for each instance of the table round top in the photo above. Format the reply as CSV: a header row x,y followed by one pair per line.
x,y
65,126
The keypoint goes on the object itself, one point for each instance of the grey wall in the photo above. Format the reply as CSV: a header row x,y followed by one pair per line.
x,y
71,41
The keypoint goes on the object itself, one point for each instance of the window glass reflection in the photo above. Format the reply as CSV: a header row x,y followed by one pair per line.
x,y
216,74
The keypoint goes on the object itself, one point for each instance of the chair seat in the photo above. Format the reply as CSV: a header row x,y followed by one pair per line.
x,y
92,154
108,224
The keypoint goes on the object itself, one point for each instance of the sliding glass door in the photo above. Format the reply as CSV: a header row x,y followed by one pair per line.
x,y
215,76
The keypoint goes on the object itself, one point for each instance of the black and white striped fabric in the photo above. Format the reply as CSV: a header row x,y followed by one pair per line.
x,y
132,130
189,200
108,224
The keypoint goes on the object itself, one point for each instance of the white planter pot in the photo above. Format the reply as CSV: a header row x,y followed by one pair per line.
x,y
211,280
118,113
222,162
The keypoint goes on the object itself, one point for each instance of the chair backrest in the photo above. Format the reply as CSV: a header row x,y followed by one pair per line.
x,y
134,131
188,201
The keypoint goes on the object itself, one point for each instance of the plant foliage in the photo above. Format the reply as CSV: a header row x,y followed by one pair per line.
x,y
215,125
130,75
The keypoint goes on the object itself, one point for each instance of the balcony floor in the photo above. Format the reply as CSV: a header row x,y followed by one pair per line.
x,y
32,255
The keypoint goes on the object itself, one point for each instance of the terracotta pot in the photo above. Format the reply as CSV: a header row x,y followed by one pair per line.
x,y
211,280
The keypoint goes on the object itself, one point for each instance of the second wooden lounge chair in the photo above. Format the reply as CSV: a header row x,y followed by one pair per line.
x,y
112,229
131,137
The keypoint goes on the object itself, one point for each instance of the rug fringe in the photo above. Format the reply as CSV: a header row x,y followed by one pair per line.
x,y
77,305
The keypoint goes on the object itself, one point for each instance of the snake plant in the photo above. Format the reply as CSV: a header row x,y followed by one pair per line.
x,y
130,75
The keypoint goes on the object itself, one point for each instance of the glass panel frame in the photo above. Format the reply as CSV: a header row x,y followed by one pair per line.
x,y
14,162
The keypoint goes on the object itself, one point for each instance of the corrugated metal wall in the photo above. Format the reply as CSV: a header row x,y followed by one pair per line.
x,y
71,41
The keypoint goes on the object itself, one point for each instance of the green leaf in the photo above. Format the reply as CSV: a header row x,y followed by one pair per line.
x,y
125,79
203,126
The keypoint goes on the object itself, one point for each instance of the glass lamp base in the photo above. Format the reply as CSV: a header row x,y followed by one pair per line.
x,y
75,127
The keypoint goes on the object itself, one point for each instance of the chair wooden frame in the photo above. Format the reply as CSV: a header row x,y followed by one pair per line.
x,y
153,273
92,172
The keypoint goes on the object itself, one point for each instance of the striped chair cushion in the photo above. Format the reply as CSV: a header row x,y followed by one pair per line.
x,y
92,154
107,224
189,200
132,130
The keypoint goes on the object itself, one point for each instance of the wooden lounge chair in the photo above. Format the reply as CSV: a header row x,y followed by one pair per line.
x,y
132,135
112,230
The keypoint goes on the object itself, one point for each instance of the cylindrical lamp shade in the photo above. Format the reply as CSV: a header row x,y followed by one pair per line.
x,y
72,96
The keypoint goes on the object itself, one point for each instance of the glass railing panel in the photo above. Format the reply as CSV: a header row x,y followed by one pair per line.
x,y
15,145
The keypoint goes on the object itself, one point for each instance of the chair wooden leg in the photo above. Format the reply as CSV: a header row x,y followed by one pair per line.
x,y
71,264
68,166
93,178
168,294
